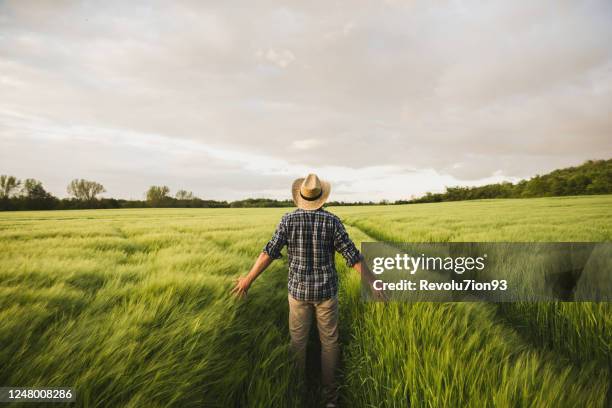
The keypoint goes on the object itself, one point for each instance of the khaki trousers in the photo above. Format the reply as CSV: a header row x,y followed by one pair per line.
x,y
300,319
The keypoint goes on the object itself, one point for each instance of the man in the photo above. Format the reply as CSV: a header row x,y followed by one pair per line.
x,y
312,235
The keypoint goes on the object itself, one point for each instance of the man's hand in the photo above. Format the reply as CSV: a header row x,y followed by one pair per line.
x,y
368,276
244,283
242,287
379,295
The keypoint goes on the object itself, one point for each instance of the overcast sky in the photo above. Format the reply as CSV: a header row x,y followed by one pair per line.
x,y
235,99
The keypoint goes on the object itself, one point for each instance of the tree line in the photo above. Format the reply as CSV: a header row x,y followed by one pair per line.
x,y
29,194
592,177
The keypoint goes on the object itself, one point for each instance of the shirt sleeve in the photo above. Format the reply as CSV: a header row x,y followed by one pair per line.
x,y
344,245
278,241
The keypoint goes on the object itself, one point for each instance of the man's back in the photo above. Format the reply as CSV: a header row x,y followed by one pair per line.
x,y
312,237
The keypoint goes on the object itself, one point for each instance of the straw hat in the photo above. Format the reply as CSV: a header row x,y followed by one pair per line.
x,y
310,193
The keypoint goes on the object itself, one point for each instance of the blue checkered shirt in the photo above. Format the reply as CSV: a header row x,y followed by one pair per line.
x,y
312,237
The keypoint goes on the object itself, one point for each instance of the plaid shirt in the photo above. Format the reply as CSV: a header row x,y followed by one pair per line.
x,y
312,237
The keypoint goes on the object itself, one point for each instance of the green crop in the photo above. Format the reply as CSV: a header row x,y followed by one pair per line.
x,y
132,308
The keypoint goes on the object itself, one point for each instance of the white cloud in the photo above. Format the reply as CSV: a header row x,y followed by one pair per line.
x,y
280,58
306,144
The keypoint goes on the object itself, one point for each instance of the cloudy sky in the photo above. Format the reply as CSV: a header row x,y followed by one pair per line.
x,y
235,99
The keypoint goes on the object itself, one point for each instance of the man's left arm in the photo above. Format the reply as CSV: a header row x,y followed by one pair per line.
x,y
270,252
244,283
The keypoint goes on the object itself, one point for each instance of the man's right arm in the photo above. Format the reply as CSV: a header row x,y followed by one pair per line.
x,y
345,246
367,276
354,259
364,272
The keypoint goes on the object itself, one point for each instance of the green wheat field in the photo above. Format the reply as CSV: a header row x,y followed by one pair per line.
x,y
132,308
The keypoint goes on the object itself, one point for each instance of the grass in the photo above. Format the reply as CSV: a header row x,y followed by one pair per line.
x,y
131,308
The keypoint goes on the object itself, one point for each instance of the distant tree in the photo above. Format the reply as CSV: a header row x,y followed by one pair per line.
x,y
85,190
35,197
184,195
592,177
261,203
578,183
157,195
558,186
34,190
537,186
8,184
600,184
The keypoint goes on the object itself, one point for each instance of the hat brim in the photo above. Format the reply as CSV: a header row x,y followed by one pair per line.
x,y
307,204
